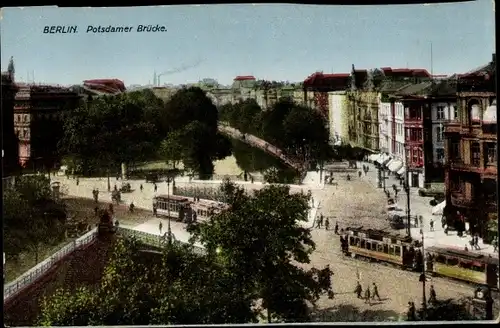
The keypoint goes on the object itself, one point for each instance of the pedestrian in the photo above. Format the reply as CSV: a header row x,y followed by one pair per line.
x,y
336,227
327,224
431,224
495,244
432,299
320,222
359,174
411,311
416,222
156,187
367,295
375,292
77,181
476,242
160,226
358,290
421,220
131,207
140,187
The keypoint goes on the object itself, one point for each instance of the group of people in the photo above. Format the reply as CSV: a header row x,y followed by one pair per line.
x,y
412,310
369,295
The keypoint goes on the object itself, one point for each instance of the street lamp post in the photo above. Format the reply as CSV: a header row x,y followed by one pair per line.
x,y
424,298
406,185
169,230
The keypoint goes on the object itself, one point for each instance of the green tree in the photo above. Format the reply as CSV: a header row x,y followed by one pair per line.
x,y
30,216
171,148
108,131
260,239
194,119
171,286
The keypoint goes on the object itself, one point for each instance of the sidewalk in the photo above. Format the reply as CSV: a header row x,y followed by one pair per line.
x,y
420,206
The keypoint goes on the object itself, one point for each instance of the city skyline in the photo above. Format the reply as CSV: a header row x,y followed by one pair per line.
x,y
224,41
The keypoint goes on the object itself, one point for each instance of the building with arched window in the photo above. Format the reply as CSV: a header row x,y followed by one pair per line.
x,y
471,153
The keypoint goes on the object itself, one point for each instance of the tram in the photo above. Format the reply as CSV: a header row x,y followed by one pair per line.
x,y
383,246
406,253
463,265
184,210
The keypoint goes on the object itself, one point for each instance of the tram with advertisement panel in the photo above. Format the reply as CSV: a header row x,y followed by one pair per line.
x,y
406,253
463,265
383,246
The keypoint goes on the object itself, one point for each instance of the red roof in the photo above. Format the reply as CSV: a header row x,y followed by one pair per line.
x,y
405,72
318,76
106,85
244,78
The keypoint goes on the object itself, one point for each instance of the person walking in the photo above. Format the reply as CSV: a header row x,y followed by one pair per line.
x,y
431,224
156,187
320,222
432,298
358,290
411,314
367,295
140,187
416,222
476,242
495,244
160,226
131,207
327,224
336,227
375,292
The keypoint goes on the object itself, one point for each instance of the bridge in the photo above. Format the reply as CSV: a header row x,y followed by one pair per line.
x,y
257,142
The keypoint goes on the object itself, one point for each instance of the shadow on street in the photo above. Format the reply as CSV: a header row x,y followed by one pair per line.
x,y
350,313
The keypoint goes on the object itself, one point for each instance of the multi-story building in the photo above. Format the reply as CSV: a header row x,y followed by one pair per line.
x,y
37,122
427,106
243,87
471,154
10,156
338,117
318,85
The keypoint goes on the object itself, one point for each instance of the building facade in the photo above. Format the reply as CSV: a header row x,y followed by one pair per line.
x,y
317,86
337,116
471,154
38,123
10,152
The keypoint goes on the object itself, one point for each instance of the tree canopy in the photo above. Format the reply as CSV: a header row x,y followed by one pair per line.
x,y
135,127
260,240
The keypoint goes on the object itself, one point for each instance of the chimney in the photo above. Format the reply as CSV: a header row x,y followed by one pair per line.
x,y
494,58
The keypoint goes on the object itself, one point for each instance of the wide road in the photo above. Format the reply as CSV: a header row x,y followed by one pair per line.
x,y
358,203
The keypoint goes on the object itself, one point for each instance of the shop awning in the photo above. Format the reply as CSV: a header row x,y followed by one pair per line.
x,y
379,159
395,166
438,209
373,157
383,158
389,163
401,171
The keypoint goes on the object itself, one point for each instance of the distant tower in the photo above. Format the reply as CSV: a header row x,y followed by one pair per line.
x,y
155,82
11,70
353,78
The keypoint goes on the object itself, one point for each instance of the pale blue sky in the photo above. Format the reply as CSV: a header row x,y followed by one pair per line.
x,y
276,42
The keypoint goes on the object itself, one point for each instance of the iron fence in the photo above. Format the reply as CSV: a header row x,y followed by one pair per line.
x,y
13,288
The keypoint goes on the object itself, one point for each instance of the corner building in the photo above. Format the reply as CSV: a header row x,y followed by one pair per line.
x,y
471,155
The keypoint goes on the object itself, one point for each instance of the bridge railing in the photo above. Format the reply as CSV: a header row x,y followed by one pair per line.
x,y
152,239
13,288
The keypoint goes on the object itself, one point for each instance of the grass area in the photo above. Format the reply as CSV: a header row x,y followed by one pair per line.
x,y
15,268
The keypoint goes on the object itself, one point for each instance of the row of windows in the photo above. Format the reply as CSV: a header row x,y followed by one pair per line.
x,y
375,246
479,267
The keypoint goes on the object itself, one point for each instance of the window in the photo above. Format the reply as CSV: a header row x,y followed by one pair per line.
x,y
475,154
456,184
397,250
455,150
491,153
386,248
474,111
452,261
440,155
440,113
455,113
439,133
